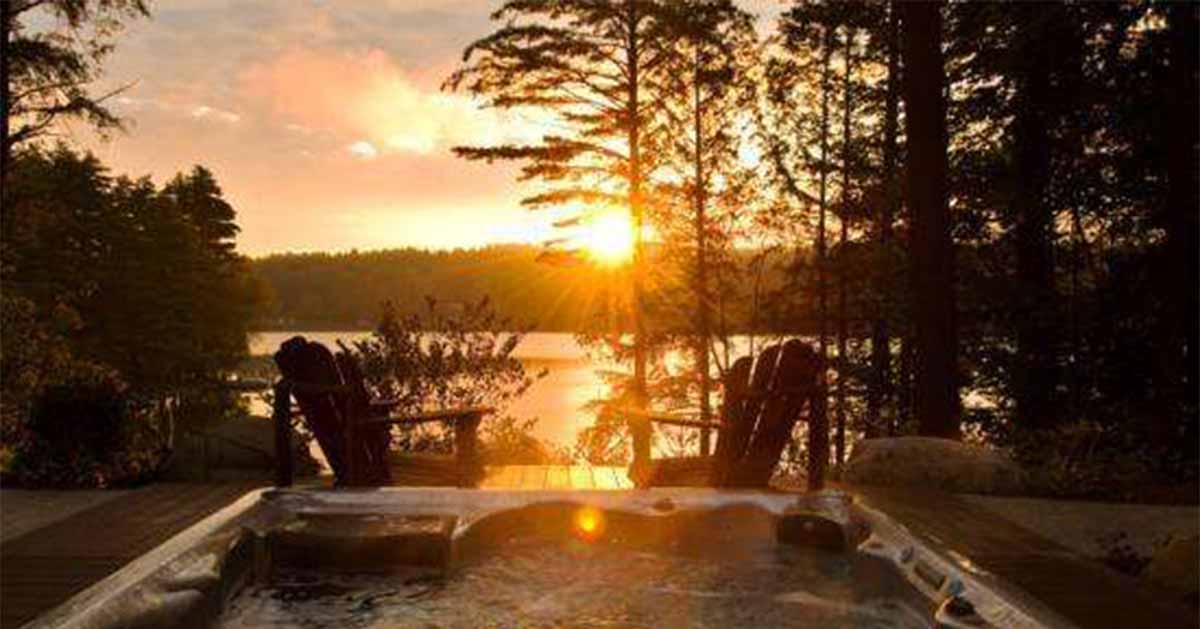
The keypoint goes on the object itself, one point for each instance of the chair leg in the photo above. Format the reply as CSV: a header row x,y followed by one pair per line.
x,y
640,431
352,451
282,416
818,440
466,450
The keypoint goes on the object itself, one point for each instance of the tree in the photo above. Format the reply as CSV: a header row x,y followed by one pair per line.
x,y
591,65
706,90
794,129
150,274
45,76
881,353
1182,208
936,385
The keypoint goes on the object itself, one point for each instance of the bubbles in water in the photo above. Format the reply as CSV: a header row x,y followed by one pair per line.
x,y
540,583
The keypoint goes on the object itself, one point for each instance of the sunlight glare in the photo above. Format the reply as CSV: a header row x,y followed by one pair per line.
x,y
608,238
589,522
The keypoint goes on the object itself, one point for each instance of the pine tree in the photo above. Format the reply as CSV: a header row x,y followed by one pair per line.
x,y
936,403
45,75
706,91
592,66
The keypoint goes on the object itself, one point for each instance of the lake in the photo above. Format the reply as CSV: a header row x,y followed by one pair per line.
x,y
556,400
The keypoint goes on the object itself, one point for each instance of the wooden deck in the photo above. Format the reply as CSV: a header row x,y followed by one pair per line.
x,y
1081,590
46,566
584,477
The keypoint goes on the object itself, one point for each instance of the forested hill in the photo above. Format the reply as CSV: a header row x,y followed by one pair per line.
x,y
345,290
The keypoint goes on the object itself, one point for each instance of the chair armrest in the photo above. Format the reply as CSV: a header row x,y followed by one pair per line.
x,y
686,423
664,418
449,414
311,387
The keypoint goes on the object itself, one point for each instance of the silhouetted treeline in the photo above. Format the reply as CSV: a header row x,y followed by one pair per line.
x,y
1002,197
310,291
123,302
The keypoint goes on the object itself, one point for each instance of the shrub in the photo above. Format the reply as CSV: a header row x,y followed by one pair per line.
x,y
83,432
1086,460
453,358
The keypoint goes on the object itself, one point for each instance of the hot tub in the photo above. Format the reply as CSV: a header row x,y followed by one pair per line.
x,y
409,557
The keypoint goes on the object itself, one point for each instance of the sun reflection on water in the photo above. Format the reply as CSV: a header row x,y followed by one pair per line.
x,y
588,523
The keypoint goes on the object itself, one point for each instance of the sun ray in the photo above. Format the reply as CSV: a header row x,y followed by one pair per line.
x,y
607,238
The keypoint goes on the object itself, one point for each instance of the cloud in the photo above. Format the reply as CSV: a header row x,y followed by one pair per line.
x,y
365,94
363,149
131,104
212,113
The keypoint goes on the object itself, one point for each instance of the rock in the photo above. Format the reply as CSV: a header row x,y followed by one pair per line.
x,y
935,464
1175,568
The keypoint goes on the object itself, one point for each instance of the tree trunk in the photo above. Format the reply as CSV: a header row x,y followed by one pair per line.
x,y
1181,220
904,381
1036,367
6,23
881,352
636,210
842,330
936,387
822,211
704,316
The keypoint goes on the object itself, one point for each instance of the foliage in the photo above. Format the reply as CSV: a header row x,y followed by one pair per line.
x,y
702,206
590,65
451,358
154,295
160,296
35,354
48,72
1085,460
85,431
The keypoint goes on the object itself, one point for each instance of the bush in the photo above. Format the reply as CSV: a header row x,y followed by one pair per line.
x,y
81,418
453,358
1086,460
85,432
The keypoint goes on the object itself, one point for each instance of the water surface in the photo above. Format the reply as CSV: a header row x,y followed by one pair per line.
x,y
544,583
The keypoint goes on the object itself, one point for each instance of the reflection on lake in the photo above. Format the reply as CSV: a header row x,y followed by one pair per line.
x,y
556,400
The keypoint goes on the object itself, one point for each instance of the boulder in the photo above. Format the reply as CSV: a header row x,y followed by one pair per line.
x,y
934,464
1175,568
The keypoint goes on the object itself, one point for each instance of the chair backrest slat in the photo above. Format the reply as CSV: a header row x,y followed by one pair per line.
x,y
735,433
763,400
761,384
795,383
375,440
312,363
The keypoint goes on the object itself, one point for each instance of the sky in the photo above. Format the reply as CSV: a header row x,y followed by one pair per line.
x,y
323,120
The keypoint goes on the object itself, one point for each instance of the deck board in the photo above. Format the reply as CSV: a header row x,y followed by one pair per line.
x,y
555,477
558,477
44,567
581,477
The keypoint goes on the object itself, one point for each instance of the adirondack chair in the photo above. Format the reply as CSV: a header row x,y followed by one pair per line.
x,y
354,430
763,401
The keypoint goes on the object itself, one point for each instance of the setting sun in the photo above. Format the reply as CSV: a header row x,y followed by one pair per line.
x,y
608,238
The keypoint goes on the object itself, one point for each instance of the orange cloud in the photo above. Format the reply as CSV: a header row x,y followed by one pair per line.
x,y
366,96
